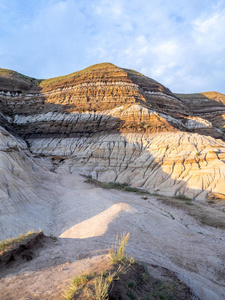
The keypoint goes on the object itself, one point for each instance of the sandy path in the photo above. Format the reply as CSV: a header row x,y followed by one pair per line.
x,y
86,218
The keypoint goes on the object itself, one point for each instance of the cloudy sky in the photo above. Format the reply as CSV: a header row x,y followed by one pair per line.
x,y
178,43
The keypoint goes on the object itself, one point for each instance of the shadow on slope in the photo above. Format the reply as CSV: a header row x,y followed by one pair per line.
x,y
209,105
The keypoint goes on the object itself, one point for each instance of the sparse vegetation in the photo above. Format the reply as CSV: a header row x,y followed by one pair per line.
x,y
201,214
15,75
144,276
77,285
102,286
124,187
118,186
97,286
117,251
183,197
131,295
131,284
9,243
132,72
164,291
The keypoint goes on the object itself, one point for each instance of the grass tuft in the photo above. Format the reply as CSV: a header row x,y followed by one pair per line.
x,y
101,287
117,251
77,285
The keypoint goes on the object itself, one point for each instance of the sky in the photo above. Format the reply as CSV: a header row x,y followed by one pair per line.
x,y
181,44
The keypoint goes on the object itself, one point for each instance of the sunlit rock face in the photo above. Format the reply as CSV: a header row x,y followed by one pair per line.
x,y
119,125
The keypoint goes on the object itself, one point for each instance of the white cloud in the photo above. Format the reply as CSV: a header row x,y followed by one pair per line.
x,y
179,43
209,31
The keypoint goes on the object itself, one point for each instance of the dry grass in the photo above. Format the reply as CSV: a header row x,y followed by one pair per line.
x,y
76,286
101,286
117,250
93,286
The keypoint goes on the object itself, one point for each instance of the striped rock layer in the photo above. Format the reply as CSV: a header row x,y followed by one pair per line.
x,y
119,125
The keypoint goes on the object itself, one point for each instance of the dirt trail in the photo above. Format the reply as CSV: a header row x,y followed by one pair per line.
x,y
85,218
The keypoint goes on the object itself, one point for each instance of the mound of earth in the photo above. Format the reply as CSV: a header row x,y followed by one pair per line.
x,y
130,281
151,282
21,247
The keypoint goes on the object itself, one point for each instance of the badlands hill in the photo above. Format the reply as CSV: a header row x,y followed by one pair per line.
x,y
114,125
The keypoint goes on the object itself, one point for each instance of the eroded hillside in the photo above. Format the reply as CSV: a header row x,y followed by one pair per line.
x,y
111,124
116,124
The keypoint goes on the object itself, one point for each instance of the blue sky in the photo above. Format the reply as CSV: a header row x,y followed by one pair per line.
x,y
181,44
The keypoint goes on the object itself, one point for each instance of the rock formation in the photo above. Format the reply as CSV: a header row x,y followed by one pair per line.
x,y
209,105
116,124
